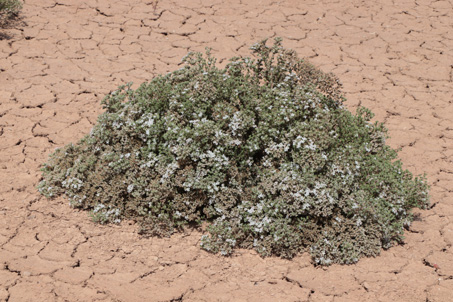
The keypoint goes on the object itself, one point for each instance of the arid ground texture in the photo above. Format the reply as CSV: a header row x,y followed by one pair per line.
x,y
394,57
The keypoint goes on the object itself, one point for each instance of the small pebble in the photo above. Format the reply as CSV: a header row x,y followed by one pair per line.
x,y
25,274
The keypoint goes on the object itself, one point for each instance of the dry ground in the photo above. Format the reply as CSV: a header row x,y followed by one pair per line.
x,y
394,57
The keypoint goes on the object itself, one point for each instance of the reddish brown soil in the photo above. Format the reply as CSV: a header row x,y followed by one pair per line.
x,y
394,57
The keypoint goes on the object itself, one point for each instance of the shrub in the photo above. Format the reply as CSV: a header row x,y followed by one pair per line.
x,y
8,10
263,150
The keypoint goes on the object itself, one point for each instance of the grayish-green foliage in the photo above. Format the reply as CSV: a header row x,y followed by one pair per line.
x,y
262,150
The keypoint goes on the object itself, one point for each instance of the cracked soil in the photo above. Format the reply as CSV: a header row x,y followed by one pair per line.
x,y
394,57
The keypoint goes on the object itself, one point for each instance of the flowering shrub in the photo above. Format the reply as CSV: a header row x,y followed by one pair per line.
x,y
263,150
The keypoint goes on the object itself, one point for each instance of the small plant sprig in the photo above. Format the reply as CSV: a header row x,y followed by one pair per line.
x,y
9,9
263,150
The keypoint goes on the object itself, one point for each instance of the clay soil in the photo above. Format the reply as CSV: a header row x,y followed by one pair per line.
x,y
394,57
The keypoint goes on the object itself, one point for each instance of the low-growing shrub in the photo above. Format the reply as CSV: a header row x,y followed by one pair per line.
x,y
8,10
263,150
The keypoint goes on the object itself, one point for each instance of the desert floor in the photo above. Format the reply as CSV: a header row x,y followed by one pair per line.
x,y
394,57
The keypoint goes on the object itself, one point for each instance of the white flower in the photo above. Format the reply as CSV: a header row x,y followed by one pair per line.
x,y
359,221
299,141
311,146
235,123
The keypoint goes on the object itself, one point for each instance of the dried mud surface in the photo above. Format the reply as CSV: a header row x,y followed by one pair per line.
x,y
393,57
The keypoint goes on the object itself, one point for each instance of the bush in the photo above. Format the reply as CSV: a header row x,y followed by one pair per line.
x,y
9,9
263,150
